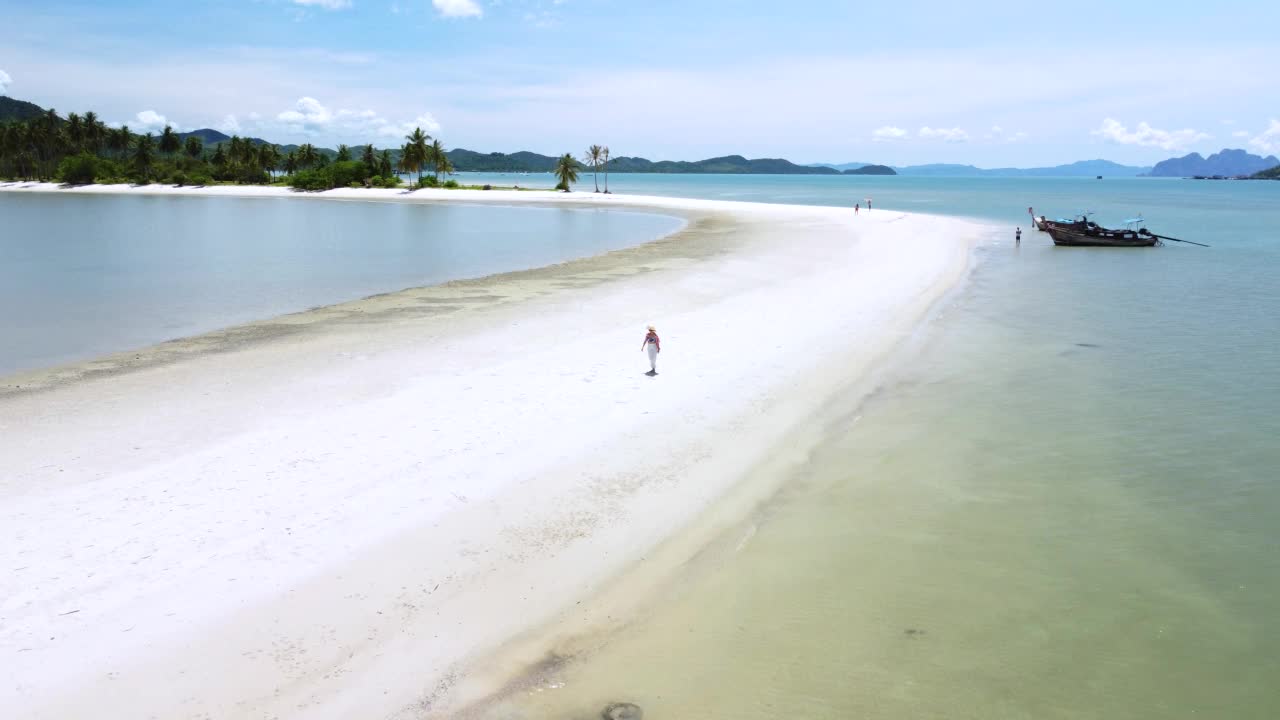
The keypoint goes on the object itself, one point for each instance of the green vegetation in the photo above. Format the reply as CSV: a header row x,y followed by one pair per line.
x,y
594,158
1272,174
81,149
566,172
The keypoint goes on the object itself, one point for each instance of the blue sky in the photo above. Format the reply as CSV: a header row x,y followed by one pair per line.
x,y
901,82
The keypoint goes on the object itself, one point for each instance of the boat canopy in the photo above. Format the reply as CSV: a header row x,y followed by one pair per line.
x,y
1135,220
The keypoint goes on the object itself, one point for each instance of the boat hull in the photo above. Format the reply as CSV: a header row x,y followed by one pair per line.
x,y
1101,238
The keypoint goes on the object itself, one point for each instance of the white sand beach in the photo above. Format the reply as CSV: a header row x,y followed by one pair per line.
x,y
350,512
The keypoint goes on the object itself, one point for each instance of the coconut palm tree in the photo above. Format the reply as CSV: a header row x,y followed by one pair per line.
x,y
384,164
369,159
193,147
75,131
605,152
169,141
416,152
144,155
344,153
120,141
269,158
93,131
307,156
592,157
291,162
440,159
566,171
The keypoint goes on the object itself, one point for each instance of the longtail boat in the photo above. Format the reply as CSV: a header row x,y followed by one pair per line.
x,y
1092,235
1080,221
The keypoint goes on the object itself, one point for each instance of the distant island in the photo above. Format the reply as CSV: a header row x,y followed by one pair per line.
x,y
1272,174
1083,168
471,161
1227,163
871,170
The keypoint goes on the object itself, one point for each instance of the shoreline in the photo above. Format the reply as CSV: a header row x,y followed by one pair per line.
x,y
357,518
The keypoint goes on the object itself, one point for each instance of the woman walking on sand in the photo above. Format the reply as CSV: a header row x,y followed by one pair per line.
x,y
653,346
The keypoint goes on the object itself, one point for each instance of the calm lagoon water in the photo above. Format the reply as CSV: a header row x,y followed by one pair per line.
x,y
82,275
1063,503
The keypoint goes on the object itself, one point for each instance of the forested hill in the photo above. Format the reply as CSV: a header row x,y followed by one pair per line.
x,y
11,109
469,160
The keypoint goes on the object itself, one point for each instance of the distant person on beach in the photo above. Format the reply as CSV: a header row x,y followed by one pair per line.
x,y
653,346
856,208
1017,236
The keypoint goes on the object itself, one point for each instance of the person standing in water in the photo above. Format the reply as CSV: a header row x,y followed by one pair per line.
x,y
653,346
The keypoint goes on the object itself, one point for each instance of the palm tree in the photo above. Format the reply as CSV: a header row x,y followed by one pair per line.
x,y
369,159
593,156
384,164
144,155
344,153
236,150
307,156
169,141
566,171
291,162
605,151
75,131
120,141
269,158
93,131
193,147
416,153
439,159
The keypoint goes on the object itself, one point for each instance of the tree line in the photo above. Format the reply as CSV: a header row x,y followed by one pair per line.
x,y
82,149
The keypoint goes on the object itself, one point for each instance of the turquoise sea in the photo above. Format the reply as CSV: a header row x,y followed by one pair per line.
x,y
1063,502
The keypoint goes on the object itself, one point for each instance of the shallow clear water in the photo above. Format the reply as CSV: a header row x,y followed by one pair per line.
x,y
1064,505
82,275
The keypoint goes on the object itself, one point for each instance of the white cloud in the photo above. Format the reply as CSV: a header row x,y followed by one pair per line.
x,y
310,117
1146,136
947,134
1240,134
150,120
326,4
999,134
229,125
457,8
1268,141
888,133
5,80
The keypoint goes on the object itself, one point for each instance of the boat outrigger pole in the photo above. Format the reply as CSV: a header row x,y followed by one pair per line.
x,y
1189,242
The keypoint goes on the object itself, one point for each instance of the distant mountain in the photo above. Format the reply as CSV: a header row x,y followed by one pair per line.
x,y
524,161
1272,174
471,161
871,170
1083,168
728,164
11,109
1229,163
843,166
